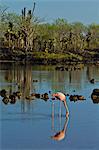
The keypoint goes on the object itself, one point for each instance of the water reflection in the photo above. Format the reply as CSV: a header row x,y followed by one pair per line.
x,y
21,77
33,117
60,135
27,79
92,72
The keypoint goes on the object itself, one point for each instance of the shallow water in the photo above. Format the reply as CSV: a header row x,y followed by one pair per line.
x,y
29,124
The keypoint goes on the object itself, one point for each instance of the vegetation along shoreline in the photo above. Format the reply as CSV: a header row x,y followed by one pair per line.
x,y
25,38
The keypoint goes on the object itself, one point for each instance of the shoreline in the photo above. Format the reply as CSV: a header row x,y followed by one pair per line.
x,y
48,62
45,58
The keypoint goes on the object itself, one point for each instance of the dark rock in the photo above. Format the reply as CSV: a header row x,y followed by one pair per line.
x,y
76,98
66,69
80,97
57,68
75,68
18,94
13,99
33,94
61,68
45,96
73,98
92,81
35,80
5,100
96,92
30,97
37,95
95,96
3,93
14,93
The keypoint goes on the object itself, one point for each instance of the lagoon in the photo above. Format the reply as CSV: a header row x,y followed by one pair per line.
x,y
28,124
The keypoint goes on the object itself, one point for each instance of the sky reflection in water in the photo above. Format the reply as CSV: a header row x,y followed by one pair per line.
x,y
30,124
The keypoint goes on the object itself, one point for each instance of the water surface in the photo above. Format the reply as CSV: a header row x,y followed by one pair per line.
x,y
29,124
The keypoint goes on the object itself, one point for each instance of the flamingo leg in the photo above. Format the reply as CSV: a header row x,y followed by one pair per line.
x,y
53,115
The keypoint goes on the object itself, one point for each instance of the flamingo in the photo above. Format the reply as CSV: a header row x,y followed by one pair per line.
x,y
60,96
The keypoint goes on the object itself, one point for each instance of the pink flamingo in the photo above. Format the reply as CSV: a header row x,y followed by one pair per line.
x,y
60,96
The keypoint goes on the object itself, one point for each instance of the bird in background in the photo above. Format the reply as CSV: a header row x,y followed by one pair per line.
x,y
61,97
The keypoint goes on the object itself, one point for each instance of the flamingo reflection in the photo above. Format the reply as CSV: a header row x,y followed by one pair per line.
x,y
61,134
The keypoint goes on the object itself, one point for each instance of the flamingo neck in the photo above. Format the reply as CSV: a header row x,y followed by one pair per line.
x,y
65,104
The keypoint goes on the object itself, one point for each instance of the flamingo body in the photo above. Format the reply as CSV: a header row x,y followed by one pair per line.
x,y
60,96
